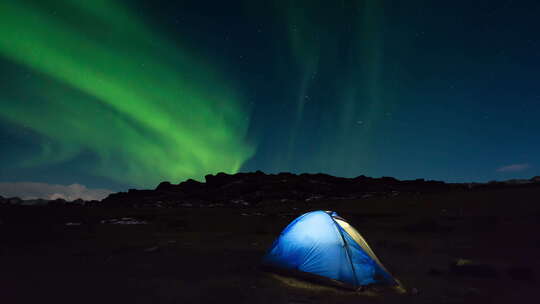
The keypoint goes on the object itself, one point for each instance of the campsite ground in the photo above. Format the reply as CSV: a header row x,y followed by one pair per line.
x,y
211,255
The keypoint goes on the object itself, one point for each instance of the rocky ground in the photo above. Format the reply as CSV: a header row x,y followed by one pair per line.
x,y
446,243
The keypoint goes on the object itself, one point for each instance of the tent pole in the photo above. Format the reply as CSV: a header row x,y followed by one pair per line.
x,y
347,249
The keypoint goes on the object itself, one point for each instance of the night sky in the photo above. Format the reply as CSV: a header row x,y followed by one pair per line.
x,y
125,94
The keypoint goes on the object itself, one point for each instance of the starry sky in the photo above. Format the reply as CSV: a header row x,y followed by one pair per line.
x,y
113,95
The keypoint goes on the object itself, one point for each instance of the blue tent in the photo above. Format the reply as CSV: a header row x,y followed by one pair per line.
x,y
323,244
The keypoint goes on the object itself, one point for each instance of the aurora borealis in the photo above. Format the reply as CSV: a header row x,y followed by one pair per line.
x,y
116,94
146,110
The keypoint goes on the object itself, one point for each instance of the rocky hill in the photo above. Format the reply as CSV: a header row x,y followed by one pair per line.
x,y
250,189
246,189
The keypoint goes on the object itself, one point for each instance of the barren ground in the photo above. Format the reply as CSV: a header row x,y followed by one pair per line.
x,y
211,255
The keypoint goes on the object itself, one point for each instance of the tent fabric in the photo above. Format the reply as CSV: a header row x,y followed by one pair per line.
x,y
357,237
323,244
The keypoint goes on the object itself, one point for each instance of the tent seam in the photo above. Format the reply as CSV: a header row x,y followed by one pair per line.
x,y
347,249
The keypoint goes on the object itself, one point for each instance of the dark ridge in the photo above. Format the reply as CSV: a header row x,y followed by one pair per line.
x,y
250,189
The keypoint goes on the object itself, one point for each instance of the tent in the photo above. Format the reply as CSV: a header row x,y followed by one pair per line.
x,y
321,244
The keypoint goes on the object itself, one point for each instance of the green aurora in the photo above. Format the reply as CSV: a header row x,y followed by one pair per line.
x,y
355,102
104,83
114,94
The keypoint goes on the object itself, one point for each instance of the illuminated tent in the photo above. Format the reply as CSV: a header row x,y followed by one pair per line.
x,y
323,245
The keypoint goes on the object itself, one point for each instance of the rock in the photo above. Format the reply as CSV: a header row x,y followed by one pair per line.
x,y
78,202
461,262
124,221
361,178
192,186
73,224
313,198
389,180
152,249
219,179
240,202
166,186
463,267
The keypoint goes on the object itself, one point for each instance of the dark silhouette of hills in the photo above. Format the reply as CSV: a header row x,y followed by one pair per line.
x,y
441,239
246,189
250,189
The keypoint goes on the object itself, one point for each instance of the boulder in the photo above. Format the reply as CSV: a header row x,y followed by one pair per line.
x,y
191,186
219,179
468,268
166,186
78,202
